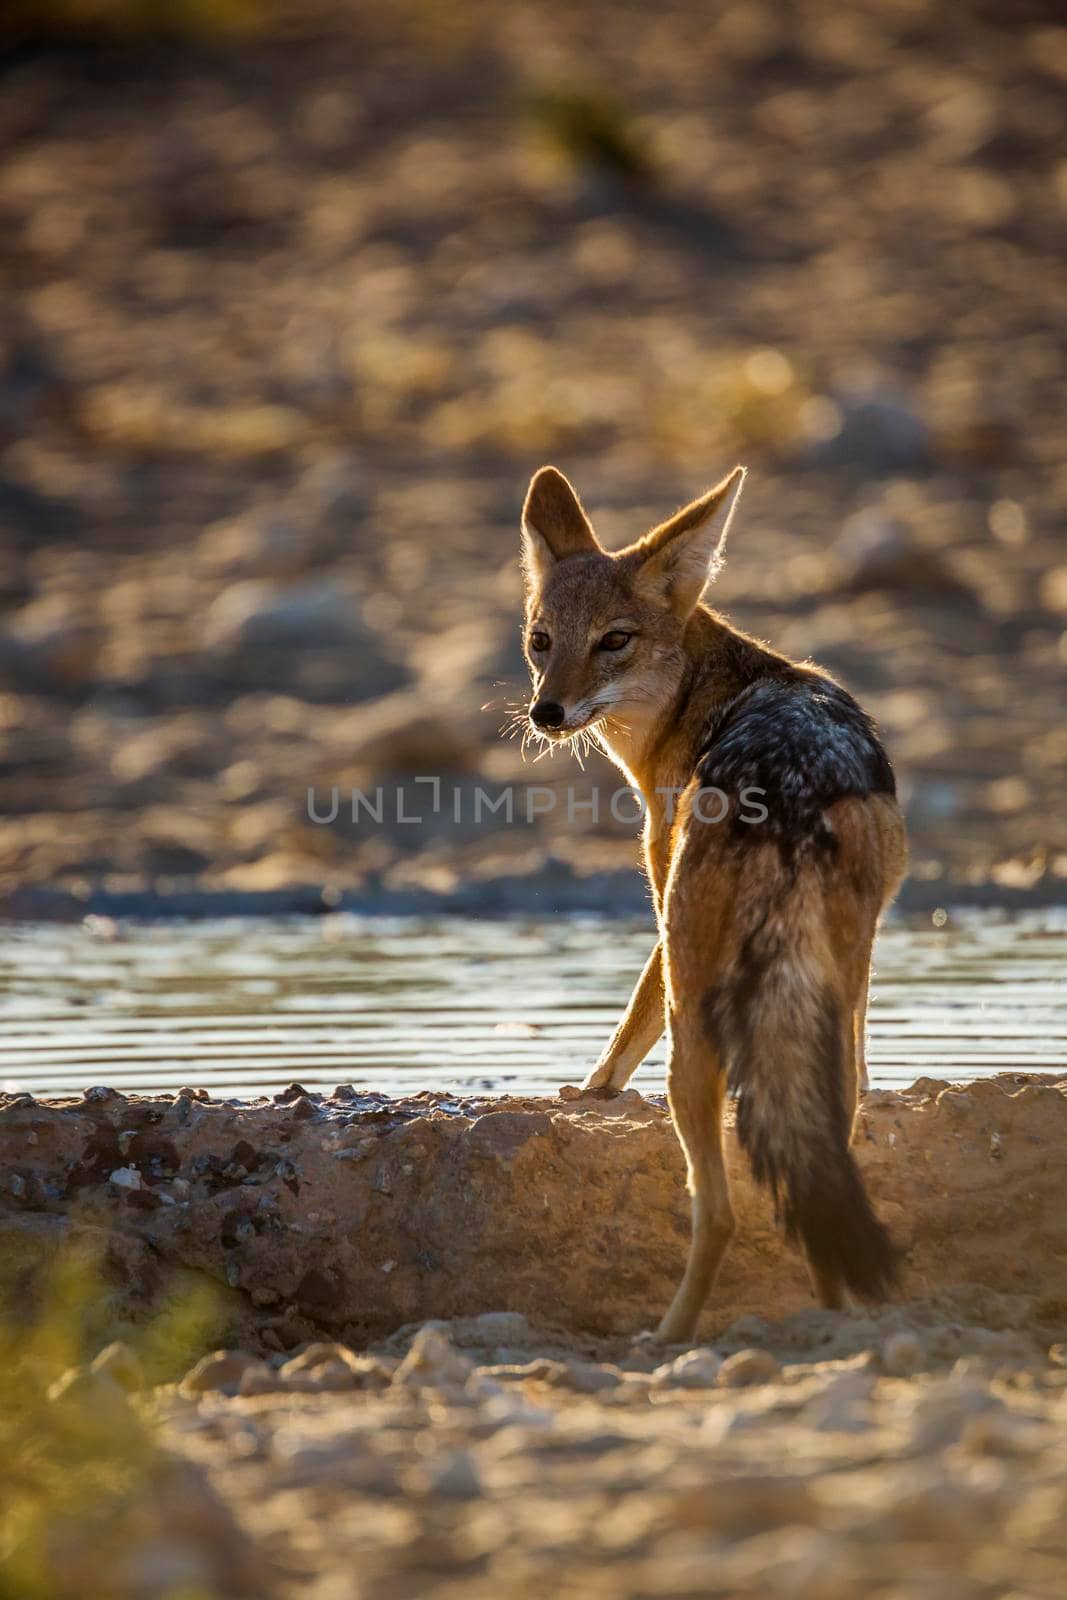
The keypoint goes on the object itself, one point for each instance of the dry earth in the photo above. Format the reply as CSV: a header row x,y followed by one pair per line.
x,y
285,327
432,1384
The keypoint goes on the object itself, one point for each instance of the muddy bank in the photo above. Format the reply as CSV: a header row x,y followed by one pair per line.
x,y
355,1215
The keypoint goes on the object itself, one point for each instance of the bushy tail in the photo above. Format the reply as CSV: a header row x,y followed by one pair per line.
x,y
779,1030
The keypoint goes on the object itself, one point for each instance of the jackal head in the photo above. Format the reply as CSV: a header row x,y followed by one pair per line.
x,y
604,630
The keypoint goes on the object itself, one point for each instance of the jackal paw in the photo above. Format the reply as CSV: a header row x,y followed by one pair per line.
x,y
598,1084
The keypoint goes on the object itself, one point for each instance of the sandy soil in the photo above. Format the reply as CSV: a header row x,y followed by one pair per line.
x,y
823,1480
431,1379
280,345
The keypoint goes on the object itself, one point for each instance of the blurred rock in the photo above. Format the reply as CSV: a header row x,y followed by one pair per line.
x,y
317,522
327,1365
877,432
219,1372
696,1369
406,733
876,551
434,1360
52,644
121,1364
902,1354
746,1367
1054,591
306,638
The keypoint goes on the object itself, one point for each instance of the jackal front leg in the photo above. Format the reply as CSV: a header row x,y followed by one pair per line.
x,y
638,1031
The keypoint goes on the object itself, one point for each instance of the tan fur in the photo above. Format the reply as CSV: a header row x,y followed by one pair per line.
x,y
648,705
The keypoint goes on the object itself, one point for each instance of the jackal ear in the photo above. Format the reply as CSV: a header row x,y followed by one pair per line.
x,y
678,558
553,525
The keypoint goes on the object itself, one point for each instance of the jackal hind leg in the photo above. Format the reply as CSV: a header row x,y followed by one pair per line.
x,y
640,1027
695,1089
828,1288
863,1081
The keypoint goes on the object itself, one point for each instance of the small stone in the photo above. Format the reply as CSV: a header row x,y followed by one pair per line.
x,y
569,1091
748,1367
432,1360
17,1185
99,1094
583,1377
902,1354
125,1178
291,1093
84,1387
696,1369
944,1410
998,1433
259,1378
843,1406
454,1476
325,1356
218,1373
119,1362
501,1327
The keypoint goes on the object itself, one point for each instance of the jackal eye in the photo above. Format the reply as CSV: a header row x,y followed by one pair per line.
x,y
539,641
616,640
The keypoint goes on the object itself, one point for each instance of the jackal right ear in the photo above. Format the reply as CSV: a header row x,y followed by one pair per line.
x,y
553,525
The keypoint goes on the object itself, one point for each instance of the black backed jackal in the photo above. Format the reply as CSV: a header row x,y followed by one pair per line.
x,y
773,842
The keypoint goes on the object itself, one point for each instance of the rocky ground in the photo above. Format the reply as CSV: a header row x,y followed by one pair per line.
x,y
429,1380
286,324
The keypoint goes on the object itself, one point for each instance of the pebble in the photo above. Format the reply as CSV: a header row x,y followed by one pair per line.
x,y
220,1372
325,1365
119,1362
432,1360
501,1327
902,1354
844,1405
82,1386
453,1476
747,1367
696,1369
943,1411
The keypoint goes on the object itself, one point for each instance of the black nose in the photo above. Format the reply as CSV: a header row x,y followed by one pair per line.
x,y
547,714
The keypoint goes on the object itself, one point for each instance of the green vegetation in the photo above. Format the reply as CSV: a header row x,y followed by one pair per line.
x,y
80,1466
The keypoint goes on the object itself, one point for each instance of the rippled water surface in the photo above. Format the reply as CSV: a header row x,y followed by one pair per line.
x,y
243,1008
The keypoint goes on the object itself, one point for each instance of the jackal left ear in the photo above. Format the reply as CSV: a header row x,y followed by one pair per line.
x,y
679,557
553,525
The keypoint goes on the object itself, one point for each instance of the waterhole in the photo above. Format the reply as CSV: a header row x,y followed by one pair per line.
x,y
243,1008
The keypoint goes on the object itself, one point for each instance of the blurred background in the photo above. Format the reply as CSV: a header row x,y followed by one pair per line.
x,y
295,298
